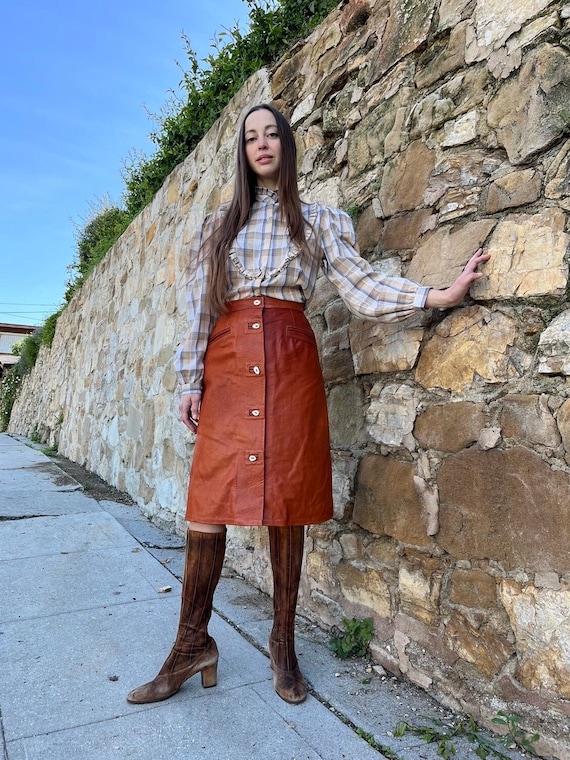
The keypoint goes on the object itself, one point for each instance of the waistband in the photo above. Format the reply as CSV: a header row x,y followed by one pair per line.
x,y
263,302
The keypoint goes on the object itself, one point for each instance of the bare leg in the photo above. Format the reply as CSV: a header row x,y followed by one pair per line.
x,y
206,528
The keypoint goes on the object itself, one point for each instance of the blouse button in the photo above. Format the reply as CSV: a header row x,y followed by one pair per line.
x,y
252,458
255,326
257,302
254,412
256,370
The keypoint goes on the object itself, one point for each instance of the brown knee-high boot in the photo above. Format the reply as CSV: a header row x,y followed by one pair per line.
x,y
286,551
194,651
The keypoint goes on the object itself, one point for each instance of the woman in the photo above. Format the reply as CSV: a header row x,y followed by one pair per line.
x,y
250,377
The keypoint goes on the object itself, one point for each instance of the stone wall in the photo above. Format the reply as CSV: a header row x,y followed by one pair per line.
x,y
442,124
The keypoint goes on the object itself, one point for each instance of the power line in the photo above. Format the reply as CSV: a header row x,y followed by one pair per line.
x,y
8,303
34,316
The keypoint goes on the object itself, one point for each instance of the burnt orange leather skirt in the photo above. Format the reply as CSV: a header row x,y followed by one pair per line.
x,y
262,453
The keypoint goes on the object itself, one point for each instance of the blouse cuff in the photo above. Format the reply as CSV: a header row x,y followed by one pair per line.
x,y
185,389
421,297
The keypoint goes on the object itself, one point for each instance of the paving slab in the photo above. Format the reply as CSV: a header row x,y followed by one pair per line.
x,y
15,453
18,503
20,465
56,584
66,534
47,475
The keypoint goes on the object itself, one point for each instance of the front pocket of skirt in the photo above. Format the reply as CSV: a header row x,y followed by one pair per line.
x,y
216,336
298,332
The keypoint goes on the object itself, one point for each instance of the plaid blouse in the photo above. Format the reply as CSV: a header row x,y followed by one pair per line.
x,y
264,261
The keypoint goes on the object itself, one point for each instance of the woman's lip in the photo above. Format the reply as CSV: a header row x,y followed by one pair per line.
x,y
264,159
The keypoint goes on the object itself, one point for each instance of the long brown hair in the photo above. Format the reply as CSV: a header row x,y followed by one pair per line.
x,y
239,208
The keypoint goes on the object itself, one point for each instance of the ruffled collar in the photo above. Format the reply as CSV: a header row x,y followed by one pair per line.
x,y
266,195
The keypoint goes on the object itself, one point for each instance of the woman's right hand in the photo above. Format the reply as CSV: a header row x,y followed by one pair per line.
x,y
190,410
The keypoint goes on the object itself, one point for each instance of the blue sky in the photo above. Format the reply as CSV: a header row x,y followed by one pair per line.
x,y
77,82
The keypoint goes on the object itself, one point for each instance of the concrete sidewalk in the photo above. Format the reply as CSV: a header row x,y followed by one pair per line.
x,y
84,617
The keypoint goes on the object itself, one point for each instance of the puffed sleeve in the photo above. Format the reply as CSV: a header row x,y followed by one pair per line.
x,y
367,293
189,358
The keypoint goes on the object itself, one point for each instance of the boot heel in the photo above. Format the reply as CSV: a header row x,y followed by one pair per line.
x,y
209,676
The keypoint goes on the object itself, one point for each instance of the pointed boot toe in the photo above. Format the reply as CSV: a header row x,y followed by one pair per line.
x,y
161,687
166,684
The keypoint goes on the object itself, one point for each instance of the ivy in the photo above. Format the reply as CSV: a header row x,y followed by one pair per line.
x,y
27,352
9,387
93,241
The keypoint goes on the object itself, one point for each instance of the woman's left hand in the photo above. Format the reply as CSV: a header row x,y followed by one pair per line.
x,y
454,294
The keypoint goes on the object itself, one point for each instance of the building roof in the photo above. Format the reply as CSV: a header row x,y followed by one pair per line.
x,y
18,329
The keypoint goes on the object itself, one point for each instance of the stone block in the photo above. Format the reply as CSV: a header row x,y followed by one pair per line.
x,y
508,58
557,180
450,427
355,13
473,588
470,348
528,419
406,178
463,93
504,506
336,357
529,112
527,257
337,316
391,413
547,580
515,189
460,131
346,416
386,502
366,587
563,422
541,624
368,230
386,347
343,474
494,22
442,257
404,231
442,57
289,71
553,351
325,292
332,64
484,648
407,28
382,551
366,141
351,546
427,637
451,12
419,594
